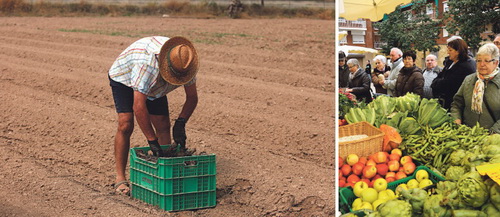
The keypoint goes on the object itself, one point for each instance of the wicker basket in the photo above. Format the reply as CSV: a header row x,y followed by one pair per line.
x,y
361,147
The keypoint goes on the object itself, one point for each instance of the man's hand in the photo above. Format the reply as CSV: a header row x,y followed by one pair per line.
x,y
179,132
155,148
458,121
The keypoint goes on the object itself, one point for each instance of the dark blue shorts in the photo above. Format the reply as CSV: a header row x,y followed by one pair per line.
x,y
124,100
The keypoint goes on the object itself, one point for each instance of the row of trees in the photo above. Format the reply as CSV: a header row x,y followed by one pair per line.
x,y
468,18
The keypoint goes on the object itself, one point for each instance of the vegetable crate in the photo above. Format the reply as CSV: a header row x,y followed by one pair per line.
x,y
173,184
361,147
347,196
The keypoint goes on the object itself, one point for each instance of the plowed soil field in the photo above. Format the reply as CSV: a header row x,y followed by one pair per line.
x,y
266,109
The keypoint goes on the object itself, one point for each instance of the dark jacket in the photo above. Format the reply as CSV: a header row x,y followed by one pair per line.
x,y
375,80
360,85
368,68
449,80
410,80
343,76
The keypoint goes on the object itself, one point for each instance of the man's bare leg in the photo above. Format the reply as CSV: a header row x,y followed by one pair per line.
x,y
122,146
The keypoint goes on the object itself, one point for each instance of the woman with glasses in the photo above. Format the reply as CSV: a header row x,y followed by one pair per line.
x,y
359,81
410,78
478,99
457,66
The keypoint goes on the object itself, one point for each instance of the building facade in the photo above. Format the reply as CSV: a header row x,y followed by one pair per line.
x,y
362,33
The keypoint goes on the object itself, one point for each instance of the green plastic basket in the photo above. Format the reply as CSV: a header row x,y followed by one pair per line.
x,y
173,184
347,196
346,199
435,178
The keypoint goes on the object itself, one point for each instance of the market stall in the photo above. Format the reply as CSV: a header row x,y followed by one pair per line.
x,y
405,156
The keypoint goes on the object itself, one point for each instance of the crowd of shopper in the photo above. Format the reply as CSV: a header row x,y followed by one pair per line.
x,y
467,86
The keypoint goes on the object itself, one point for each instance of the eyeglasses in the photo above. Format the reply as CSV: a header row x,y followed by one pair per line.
x,y
350,66
486,61
496,42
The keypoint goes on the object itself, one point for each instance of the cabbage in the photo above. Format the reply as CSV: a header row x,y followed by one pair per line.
x,y
494,159
395,208
495,195
433,208
416,197
454,173
493,139
445,187
473,159
457,156
490,210
473,192
491,150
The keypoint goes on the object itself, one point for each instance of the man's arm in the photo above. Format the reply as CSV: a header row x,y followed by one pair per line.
x,y
179,130
142,116
191,101
390,82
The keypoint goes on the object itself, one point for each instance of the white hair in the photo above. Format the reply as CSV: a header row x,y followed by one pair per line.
x,y
353,62
381,58
452,38
398,51
489,49
431,55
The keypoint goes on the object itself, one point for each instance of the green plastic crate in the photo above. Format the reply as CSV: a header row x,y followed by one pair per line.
x,y
173,184
346,199
347,196
435,178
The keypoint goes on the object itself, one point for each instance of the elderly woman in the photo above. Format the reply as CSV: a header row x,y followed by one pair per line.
x,y
478,99
410,78
456,67
359,81
380,72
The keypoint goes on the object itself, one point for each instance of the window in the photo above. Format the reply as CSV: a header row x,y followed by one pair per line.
x,y
358,39
429,9
445,6
343,41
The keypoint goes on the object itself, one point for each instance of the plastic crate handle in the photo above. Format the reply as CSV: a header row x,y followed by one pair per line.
x,y
190,163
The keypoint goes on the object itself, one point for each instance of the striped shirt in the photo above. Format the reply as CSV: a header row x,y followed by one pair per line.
x,y
137,67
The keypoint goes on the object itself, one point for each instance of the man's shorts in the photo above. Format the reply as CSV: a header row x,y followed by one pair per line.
x,y
124,100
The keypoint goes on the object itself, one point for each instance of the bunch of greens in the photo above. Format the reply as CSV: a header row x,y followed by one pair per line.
x,y
346,101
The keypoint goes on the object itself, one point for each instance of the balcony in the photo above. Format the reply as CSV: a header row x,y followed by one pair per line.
x,y
352,24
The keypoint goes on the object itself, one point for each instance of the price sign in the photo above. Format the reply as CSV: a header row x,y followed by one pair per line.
x,y
492,170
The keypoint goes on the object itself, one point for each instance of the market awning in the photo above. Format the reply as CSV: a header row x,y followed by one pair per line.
x,y
368,9
357,49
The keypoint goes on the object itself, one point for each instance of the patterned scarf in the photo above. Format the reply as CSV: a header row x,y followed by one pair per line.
x,y
352,74
478,93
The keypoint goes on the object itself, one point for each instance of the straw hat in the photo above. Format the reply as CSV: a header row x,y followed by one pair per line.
x,y
178,61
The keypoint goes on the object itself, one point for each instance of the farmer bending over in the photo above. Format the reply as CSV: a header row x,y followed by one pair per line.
x,y
140,78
